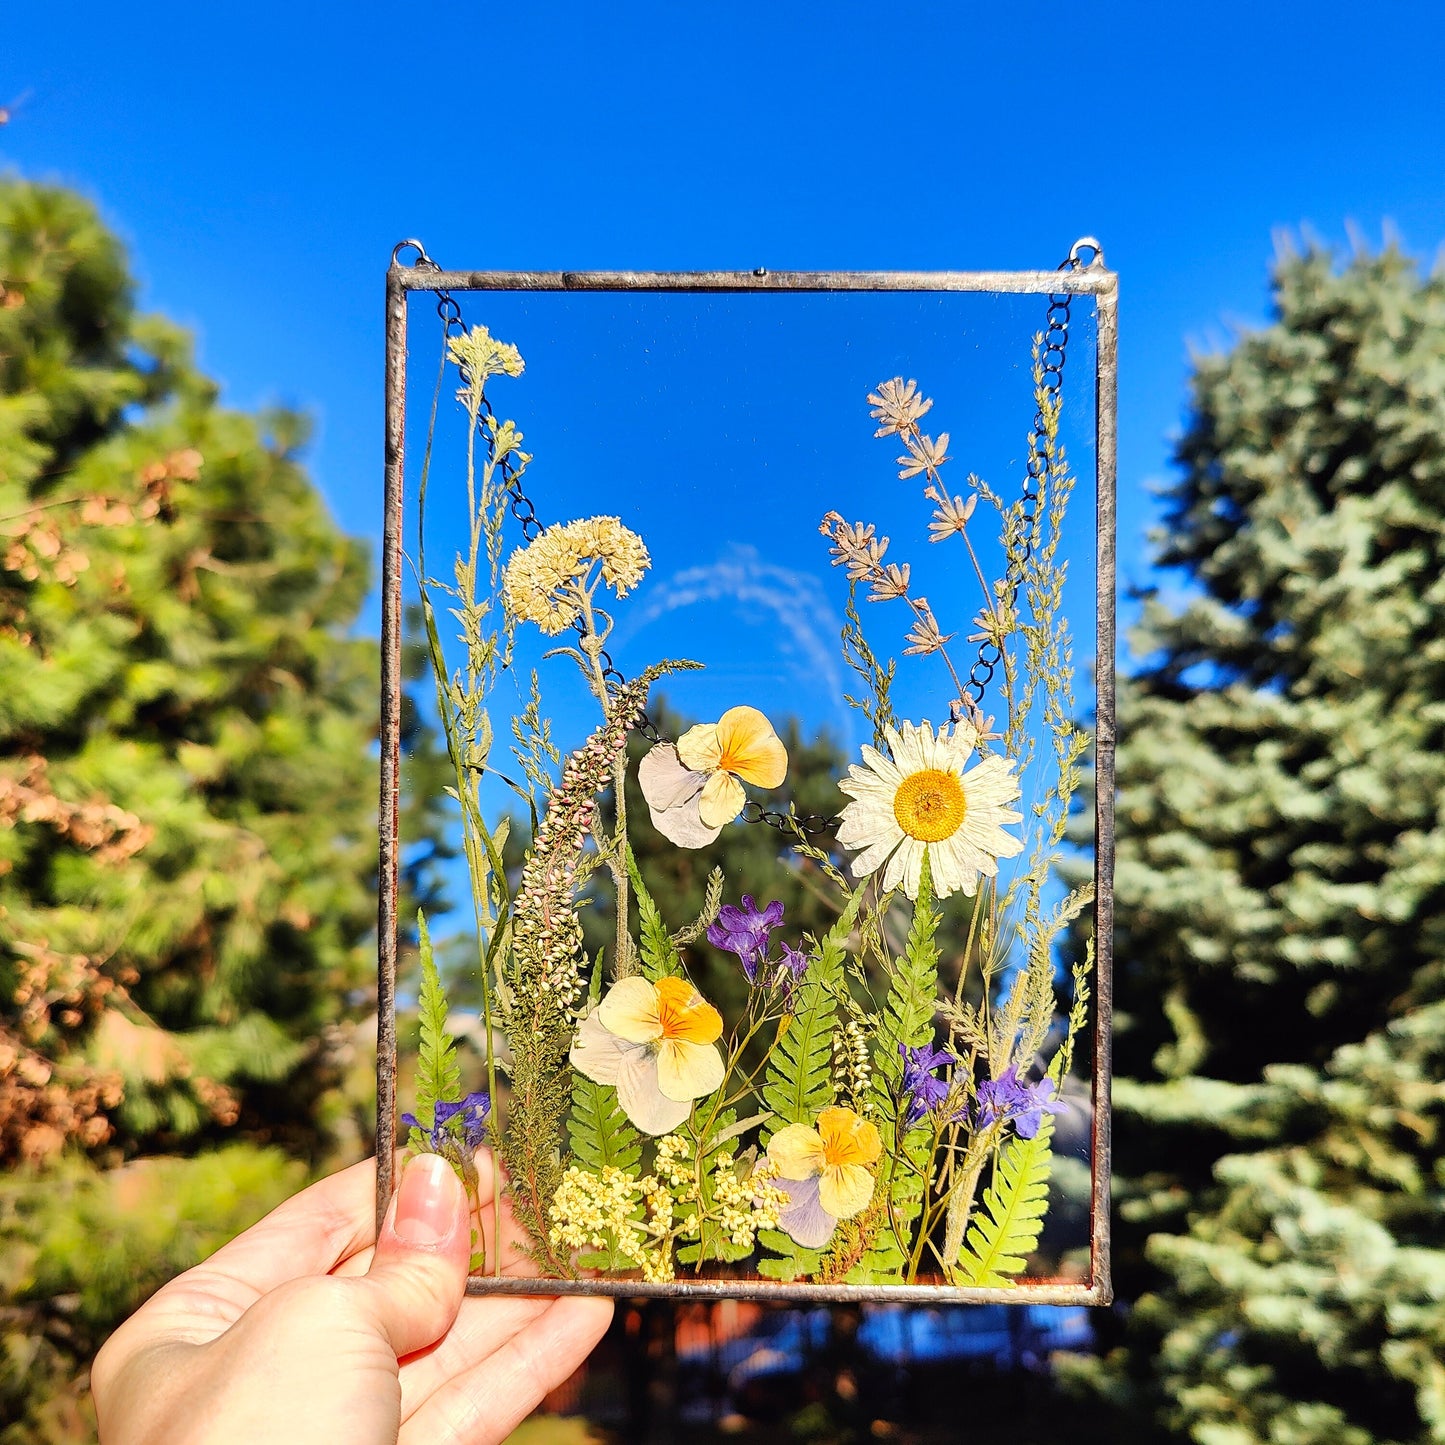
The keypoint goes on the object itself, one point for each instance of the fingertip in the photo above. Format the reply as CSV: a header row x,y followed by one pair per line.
x,y
585,1317
431,1204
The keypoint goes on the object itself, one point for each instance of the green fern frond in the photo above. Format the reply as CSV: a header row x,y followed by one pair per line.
x,y
660,955
713,1242
600,1133
799,1078
792,1261
1006,1228
602,1137
438,1075
905,1021
912,999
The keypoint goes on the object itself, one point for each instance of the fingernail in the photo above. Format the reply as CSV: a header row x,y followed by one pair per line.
x,y
426,1206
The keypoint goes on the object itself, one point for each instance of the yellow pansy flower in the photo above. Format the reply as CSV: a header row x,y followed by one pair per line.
x,y
824,1172
657,1044
695,786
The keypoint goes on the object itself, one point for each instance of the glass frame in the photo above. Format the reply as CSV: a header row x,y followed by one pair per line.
x,y
1082,275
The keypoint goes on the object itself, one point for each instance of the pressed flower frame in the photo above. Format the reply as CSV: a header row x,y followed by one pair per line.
x,y
929,810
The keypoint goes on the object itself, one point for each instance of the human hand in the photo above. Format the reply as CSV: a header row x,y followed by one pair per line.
x,y
303,1329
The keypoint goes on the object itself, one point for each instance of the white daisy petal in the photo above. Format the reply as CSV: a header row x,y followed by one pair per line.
x,y
871,859
947,867
913,867
907,751
897,865
875,765
892,819
865,820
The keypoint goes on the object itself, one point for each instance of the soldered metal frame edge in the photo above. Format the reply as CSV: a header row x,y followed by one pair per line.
x,y
1093,279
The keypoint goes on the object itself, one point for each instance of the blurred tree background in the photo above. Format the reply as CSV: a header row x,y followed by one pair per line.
x,y
187,806
1281,892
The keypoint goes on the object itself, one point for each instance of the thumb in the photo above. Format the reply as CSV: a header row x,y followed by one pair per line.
x,y
419,1272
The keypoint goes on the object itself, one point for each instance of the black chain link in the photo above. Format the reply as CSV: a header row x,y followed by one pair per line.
x,y
1052,355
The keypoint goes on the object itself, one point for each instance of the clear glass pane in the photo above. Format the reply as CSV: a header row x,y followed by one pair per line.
x,y
723,430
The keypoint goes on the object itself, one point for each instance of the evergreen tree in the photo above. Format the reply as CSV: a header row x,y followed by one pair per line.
x,y
1281,892
187,805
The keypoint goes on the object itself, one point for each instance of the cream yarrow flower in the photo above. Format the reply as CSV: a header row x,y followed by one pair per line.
x,y
657,1044
920,798
824,1172
542,580
480,355
694,787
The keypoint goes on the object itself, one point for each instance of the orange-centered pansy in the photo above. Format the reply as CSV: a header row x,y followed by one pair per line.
x,y
695,786
741,744
825,1172
657,1043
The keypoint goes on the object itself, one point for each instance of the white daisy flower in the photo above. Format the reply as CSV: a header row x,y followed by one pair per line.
x,y
921,799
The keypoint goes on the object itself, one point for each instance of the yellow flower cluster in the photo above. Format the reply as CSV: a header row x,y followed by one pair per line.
x,y
480,355
672,1164
746,1203
635,1218
589,1207
536,585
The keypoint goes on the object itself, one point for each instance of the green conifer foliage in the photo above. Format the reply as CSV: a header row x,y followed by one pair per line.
x,y
1281,891
187,804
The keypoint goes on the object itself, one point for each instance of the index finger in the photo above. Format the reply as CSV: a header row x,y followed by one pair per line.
x,y
310,1233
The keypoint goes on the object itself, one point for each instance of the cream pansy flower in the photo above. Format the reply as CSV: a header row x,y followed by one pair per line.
x,y
824,1172
695,786
657,1044
921,799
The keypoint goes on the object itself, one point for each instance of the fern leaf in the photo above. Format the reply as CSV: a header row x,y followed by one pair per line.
x,y
793,1260
912,1000
799,1077
1006,1227
906,1021
601,1135
438,1075
713,1241
660,955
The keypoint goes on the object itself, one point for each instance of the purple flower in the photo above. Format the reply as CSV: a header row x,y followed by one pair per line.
x,y
791,968
744,931
803,1218
1025,1104
469,1129
922,1091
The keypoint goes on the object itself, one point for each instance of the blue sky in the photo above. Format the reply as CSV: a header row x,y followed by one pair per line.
x,y
260,161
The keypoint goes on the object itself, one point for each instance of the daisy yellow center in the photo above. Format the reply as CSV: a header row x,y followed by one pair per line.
x,y
929,805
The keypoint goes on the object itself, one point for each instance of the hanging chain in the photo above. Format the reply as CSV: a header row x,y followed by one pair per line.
x,y
1052,355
